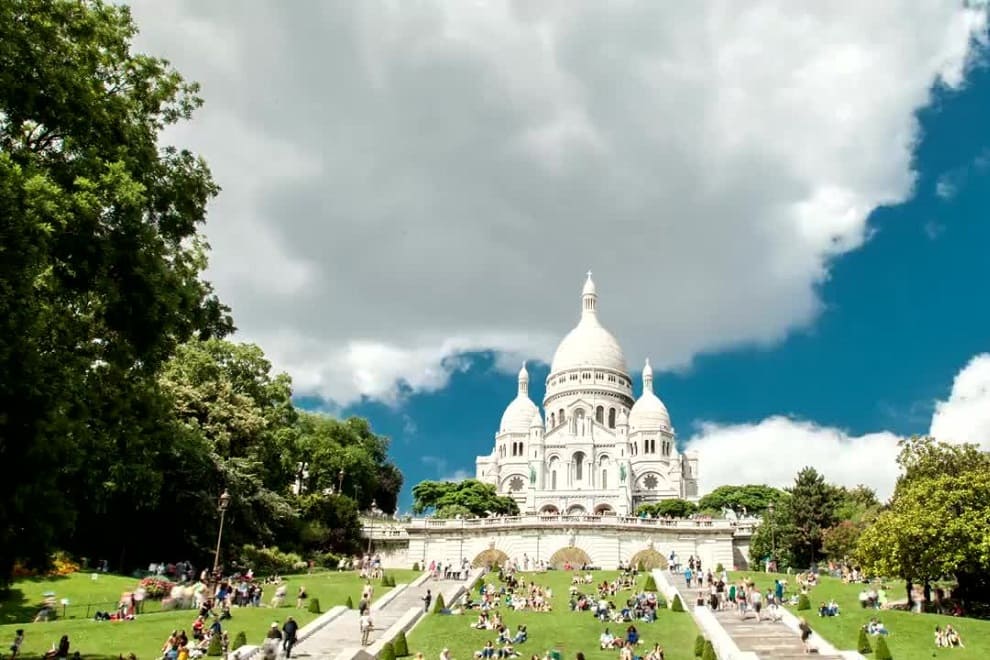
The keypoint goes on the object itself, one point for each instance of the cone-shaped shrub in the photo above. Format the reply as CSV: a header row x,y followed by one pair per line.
x,y
699,645
215,649
387,652
240,639
882,652
676,605
709,652
719,568
863,645
400,645
650,584
314,605
438,604
349,603
640,567
803,602
415,565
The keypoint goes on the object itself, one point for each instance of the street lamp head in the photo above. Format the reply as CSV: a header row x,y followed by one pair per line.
x,y
341,473
771,508
224,500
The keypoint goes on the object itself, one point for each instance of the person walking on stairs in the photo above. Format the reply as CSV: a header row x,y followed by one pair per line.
x,y
427,599
367,625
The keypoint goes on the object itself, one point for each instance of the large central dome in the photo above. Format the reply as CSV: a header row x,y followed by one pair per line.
x,y
589,344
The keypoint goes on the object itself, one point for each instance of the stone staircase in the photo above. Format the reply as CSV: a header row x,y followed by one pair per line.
x,y
767,639
342,636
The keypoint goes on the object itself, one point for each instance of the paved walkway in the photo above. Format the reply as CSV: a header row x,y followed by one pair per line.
x,y
768,639
343,633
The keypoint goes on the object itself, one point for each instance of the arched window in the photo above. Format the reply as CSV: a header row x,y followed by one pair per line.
x,y
611,418
553,480
553,420
604,479
600,414
578,459
560,416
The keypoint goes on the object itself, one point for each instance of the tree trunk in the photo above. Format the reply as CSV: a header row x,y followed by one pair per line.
x,y
928,592
909,586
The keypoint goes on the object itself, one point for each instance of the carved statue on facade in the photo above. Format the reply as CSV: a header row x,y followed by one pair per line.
x,y
532,475
622,473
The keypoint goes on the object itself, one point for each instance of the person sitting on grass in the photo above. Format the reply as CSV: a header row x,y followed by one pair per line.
x,y
952,638
876,627
521,634
606,640
655,654
632,635
487,652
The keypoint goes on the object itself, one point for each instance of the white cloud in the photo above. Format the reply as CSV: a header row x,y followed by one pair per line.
x,y
965,415
404,181
774,450
443,470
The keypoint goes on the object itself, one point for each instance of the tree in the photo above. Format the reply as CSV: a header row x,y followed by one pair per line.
x,y
812,510
471,495
839,541
100,268
775,535
751,498
674,508
863,643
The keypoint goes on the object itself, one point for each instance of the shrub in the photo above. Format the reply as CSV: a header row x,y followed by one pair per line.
x,y
387,652
270,560
400,645
882,652
863,645
63,564
719,568
709,652
349,603
676,605
438,604
215,649
803,602
314,605
240,639
415,565
699,645
640,567
650,584
156,588
329,560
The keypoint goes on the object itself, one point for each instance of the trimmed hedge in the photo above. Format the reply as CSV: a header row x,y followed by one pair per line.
x,y
709,652
882,652
400,645
387,652
803,602
240,639
215,649
349,603
676,605
314,605
438,604
863,645
650,584
699,645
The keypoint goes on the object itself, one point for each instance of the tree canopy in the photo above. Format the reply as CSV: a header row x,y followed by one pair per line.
x,y
121,405
751,498
469,497
936,524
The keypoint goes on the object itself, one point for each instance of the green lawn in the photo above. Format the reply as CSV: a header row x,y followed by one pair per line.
x,y
562,629
145,635
912,636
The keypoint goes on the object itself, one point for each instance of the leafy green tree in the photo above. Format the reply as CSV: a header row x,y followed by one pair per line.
x,y
935,526
812,509
478,498
674,508
839,541
751,498
774,536
329,523
100,270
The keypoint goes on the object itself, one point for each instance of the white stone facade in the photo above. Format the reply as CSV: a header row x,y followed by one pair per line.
x,y
594,449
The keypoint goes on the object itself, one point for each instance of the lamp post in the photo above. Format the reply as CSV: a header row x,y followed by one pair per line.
x,y
222,505
340,481
371,529
773,540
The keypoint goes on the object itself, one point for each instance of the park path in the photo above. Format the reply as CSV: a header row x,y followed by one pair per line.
x,y
767,639
343,633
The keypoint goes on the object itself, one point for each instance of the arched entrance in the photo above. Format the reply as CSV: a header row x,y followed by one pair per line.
x,y
649,558
604,510
549,510
576,510
570,556
490,558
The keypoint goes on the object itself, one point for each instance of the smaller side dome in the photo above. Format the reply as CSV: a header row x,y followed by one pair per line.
x,y
537,420
648,413
519,413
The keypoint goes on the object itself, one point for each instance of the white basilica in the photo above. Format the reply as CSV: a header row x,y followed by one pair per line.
x,y
598,450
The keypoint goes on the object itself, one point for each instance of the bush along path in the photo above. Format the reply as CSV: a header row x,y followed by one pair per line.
x,y
344,634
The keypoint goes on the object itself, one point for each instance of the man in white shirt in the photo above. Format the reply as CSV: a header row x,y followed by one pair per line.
x,y
366,627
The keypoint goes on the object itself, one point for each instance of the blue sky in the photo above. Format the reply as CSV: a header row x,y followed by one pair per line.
x,y
784,207
903,315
